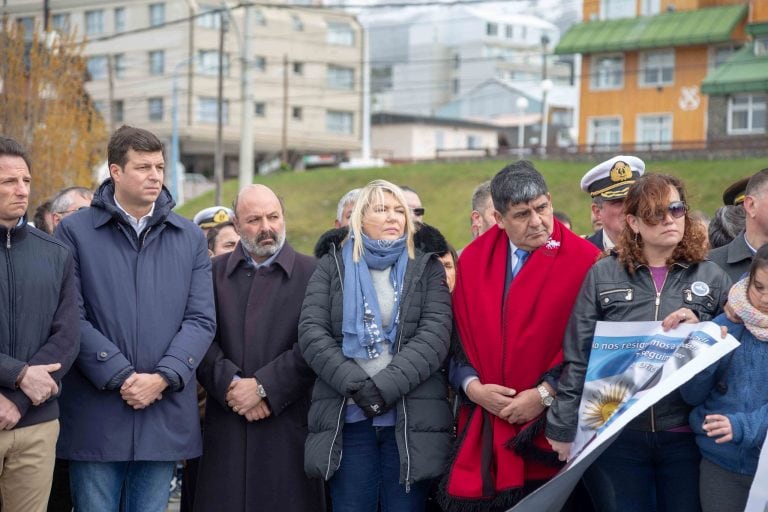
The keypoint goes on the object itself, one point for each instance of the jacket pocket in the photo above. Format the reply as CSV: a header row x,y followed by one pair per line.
x,y
705,306
615,301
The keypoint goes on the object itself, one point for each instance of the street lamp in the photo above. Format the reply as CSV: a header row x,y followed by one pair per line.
x,y
177,178
546,86
522,106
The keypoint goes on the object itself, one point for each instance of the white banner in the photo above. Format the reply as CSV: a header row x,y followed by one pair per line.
x,y
632,366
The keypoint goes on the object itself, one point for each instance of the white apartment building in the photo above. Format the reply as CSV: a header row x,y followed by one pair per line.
x,y
304,63
424,58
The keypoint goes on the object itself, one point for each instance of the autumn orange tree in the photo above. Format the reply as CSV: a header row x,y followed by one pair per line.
x,y
45,106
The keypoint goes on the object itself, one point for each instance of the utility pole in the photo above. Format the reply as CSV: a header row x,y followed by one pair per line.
x,y
544,91
218,162
111,92
285,111
46,15
246,97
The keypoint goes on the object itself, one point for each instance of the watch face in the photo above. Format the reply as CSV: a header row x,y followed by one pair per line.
x,y
547,401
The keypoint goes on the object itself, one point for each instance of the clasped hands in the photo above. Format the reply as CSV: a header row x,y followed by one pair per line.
x,y
506,403
243,397
140,390
37,384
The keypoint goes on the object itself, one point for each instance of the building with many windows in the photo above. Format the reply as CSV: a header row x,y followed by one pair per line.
x,y
648,67
304,65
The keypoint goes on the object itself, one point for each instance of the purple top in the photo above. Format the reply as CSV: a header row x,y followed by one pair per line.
x,y
659,274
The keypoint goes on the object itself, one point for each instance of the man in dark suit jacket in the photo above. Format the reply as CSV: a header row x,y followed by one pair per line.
x,y
736,257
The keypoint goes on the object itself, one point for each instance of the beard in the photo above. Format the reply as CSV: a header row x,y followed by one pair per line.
x,y
252,245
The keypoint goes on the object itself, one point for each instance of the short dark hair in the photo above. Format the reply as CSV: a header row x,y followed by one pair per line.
x,y
759,260
213,233
562,217
9,147
39,218
519,182
129,137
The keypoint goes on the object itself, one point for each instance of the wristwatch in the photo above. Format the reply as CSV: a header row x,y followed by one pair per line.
x,y
260,391
546,397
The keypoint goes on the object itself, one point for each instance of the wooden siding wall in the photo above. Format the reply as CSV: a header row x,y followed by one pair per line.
x,y
634,99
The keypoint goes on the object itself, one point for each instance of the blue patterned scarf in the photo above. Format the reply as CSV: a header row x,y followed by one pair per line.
x,y
361,323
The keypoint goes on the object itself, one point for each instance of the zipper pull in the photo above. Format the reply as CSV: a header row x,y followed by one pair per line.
x,y
629,295
658,299
8,240
688,296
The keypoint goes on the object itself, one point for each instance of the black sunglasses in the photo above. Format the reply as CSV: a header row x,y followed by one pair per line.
x,y
417,212
676,209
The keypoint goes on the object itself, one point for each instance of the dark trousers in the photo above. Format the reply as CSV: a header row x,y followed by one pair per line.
x,y
646,471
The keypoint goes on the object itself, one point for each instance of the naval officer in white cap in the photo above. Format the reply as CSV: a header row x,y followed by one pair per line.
x,y
608,183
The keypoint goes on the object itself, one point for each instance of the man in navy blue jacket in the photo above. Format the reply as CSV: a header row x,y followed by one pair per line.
x,y
129,408
38,321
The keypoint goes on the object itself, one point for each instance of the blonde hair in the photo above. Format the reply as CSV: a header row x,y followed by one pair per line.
x,y
372,194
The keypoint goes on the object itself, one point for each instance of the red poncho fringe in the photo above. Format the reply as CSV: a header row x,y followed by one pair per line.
x,y
513,349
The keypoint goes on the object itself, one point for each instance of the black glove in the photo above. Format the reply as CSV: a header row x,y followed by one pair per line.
x,y
369,399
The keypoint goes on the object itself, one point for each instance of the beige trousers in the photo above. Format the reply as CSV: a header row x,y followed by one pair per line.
x,y
26,466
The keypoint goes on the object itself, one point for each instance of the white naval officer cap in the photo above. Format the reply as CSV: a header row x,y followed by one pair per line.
x,y
611,179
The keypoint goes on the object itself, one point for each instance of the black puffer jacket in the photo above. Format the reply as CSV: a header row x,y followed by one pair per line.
x,y
610,293
412,382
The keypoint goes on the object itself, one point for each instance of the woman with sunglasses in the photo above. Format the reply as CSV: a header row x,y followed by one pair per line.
x,y
656,272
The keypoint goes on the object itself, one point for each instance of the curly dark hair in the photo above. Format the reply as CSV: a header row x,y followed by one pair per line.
x,y
648,195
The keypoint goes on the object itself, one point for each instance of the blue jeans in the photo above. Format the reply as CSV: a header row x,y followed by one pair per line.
x,y
135,486
645,472
370,471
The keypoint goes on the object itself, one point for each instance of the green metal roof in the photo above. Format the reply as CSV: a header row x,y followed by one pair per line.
x,y
683,28
757,29
743,72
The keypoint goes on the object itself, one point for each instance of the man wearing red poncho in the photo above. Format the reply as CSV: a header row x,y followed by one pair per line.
x,y
516,286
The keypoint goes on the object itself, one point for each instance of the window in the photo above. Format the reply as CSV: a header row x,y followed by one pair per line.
x,y
60,22
101,108
298,25
156,15
94,23
607,72
455,86
298,68
654,132
439,140
297,113
155,109
473,142
650,7
612,9
341,78
720,54
746,114
97,67
119,19
208,110
260,63
208,17
27,24
118,61
340,34
260,109
491,29
208,63
118,110
509,31
258,18
657,68
337,121
604,133
156,62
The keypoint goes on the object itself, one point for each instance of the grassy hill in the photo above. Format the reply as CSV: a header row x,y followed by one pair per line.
x,y
446,188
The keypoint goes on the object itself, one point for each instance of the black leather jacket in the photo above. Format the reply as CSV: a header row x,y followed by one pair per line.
x,y
611,293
